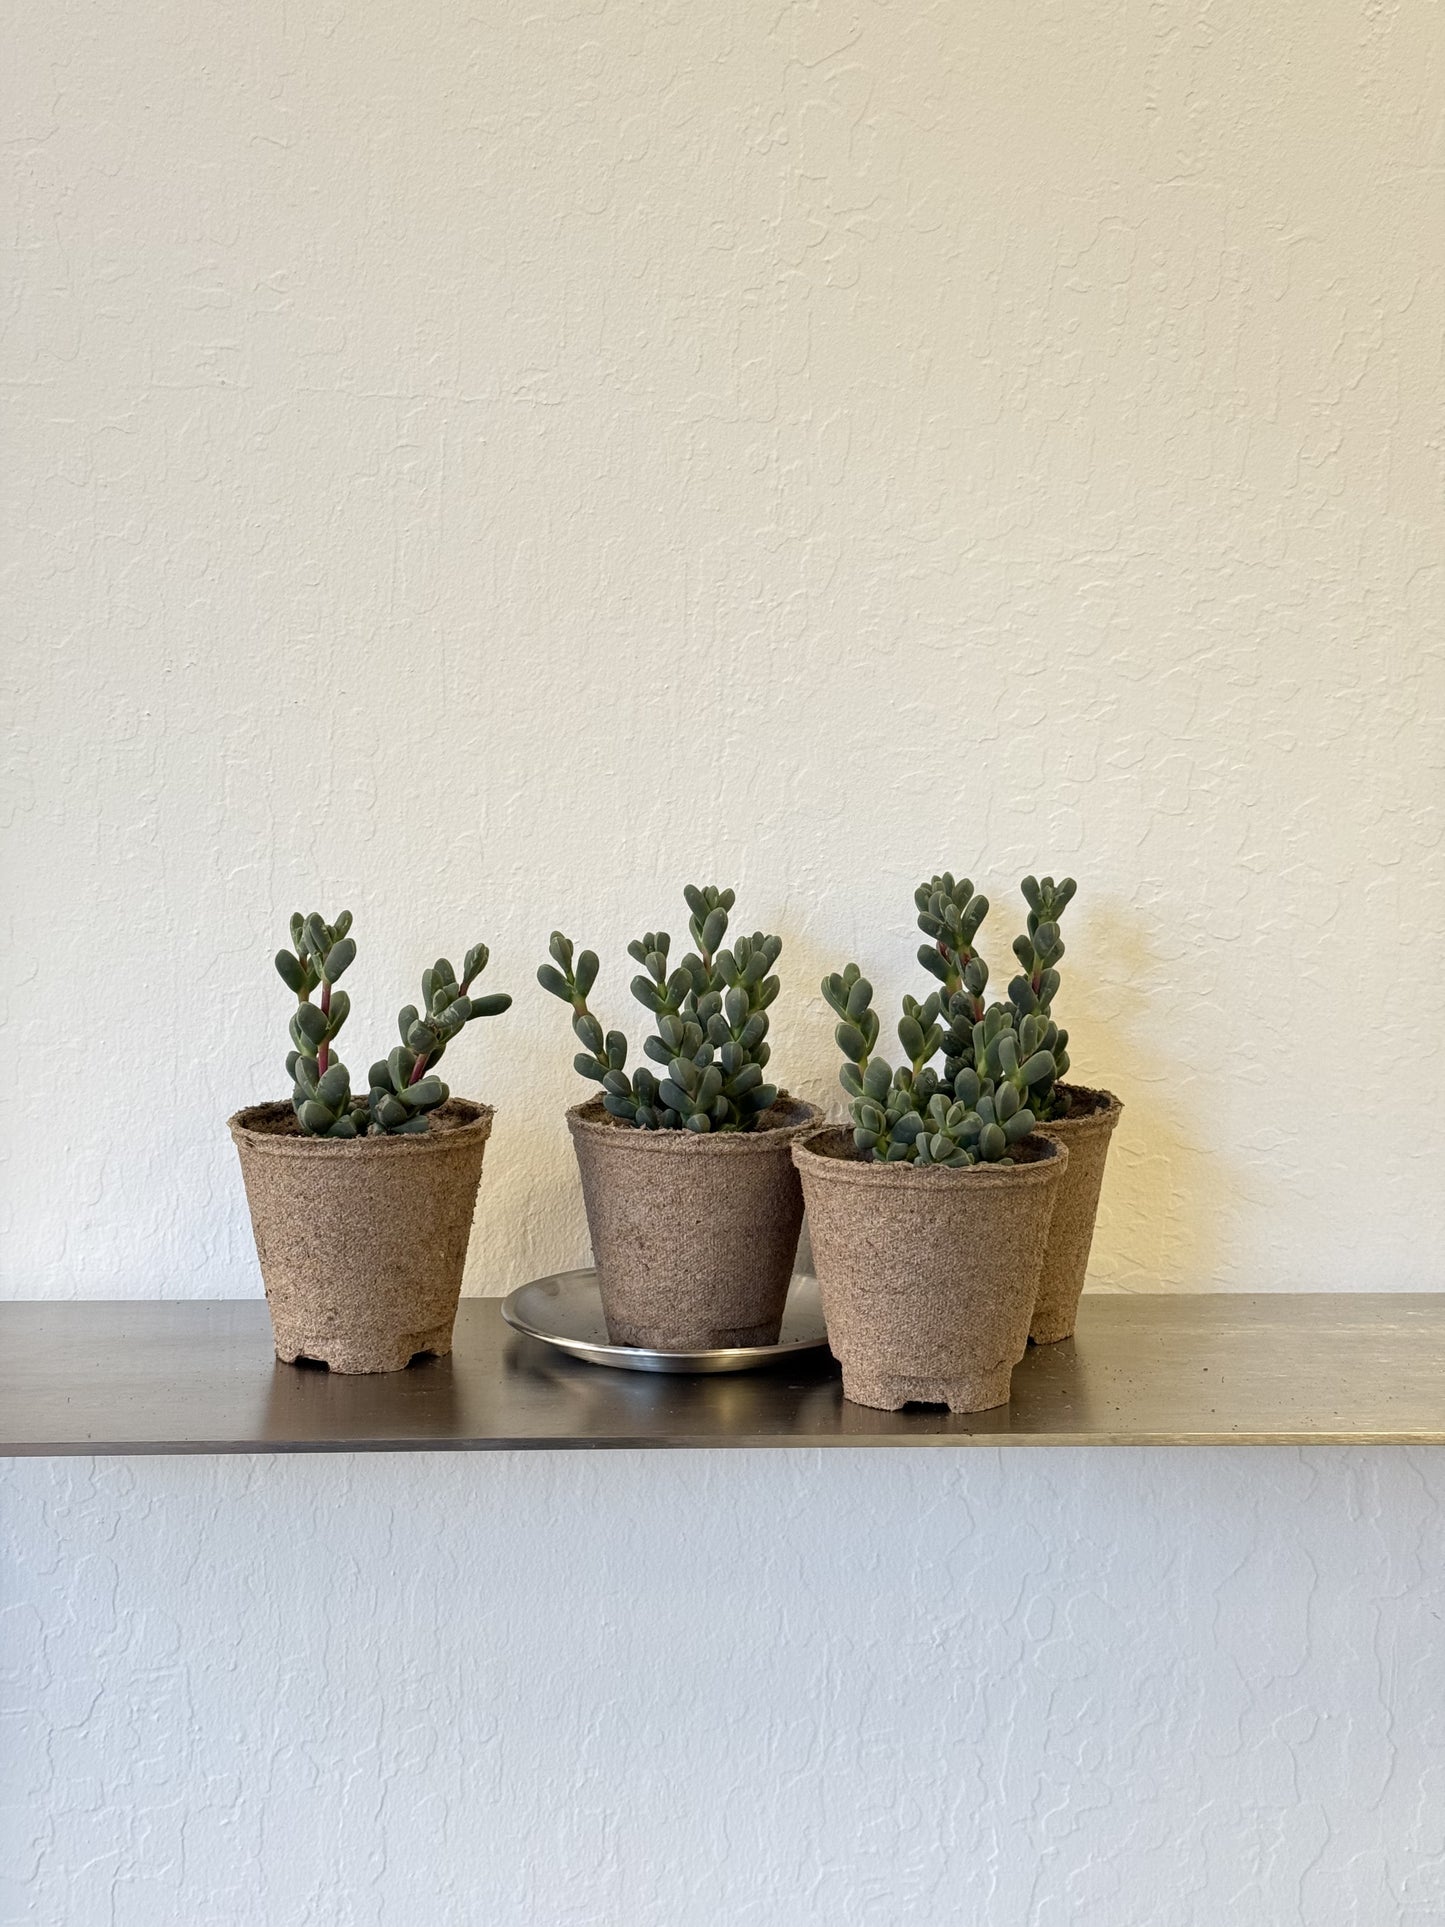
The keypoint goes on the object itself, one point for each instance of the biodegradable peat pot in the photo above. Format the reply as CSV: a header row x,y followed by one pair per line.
x,y
927,1274
362,1240
1084,1131
693,1234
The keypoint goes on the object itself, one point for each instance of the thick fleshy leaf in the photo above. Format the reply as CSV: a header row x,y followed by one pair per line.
x,y
339,958
333,1088
310,1022
850,1042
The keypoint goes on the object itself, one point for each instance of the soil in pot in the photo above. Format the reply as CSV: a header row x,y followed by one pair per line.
x,y
1084,1130
928,1275
362,1241
693,1235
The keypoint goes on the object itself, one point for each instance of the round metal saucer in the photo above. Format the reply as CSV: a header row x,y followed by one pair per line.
x,y
565,1310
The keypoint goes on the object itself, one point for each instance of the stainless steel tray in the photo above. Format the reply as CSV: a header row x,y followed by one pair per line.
x,y
565,1310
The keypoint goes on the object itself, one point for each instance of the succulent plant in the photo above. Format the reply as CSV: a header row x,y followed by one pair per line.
x,y
951,915
912,1114
710,1013
404,1087
1001,1061
1032,993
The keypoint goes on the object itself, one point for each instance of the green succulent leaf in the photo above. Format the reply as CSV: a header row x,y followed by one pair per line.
x,y
311,1024
492,1005
289,969
338,959
477,959
910,1036
333,1088
851,1042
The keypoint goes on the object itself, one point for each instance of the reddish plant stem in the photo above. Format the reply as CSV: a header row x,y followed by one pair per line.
x,y
418,1067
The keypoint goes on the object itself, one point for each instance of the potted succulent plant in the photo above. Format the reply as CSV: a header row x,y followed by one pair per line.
x,y
1074,1115
930,1217
692,1200
362,1206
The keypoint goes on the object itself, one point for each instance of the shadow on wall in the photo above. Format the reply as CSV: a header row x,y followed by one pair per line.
x,y
1167,1194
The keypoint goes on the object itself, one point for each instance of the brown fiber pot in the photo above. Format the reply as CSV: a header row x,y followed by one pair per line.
x,y
1085,1133
927,1275
362,1242
693,1235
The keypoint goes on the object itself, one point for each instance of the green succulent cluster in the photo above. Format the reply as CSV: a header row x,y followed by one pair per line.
x,y
1032,993
404,1087
710,1012
1001,1062
951,914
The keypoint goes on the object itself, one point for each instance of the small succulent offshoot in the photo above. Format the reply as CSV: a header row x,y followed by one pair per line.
x,y
710,1013
1001,1061
404,1087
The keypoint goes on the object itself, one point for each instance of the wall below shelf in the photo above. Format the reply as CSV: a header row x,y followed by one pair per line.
x,y
200,1376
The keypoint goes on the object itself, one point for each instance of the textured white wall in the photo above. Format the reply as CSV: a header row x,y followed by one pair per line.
x,y
866,1689
487,466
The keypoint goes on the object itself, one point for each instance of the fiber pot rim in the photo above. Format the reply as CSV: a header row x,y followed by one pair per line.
x,y
1045,1168
1098,1114
590,1120
467,1120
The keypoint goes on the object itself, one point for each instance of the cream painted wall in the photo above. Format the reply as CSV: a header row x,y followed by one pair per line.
x,y
488,466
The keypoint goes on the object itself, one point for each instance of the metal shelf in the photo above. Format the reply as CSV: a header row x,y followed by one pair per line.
x,y
200,1376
